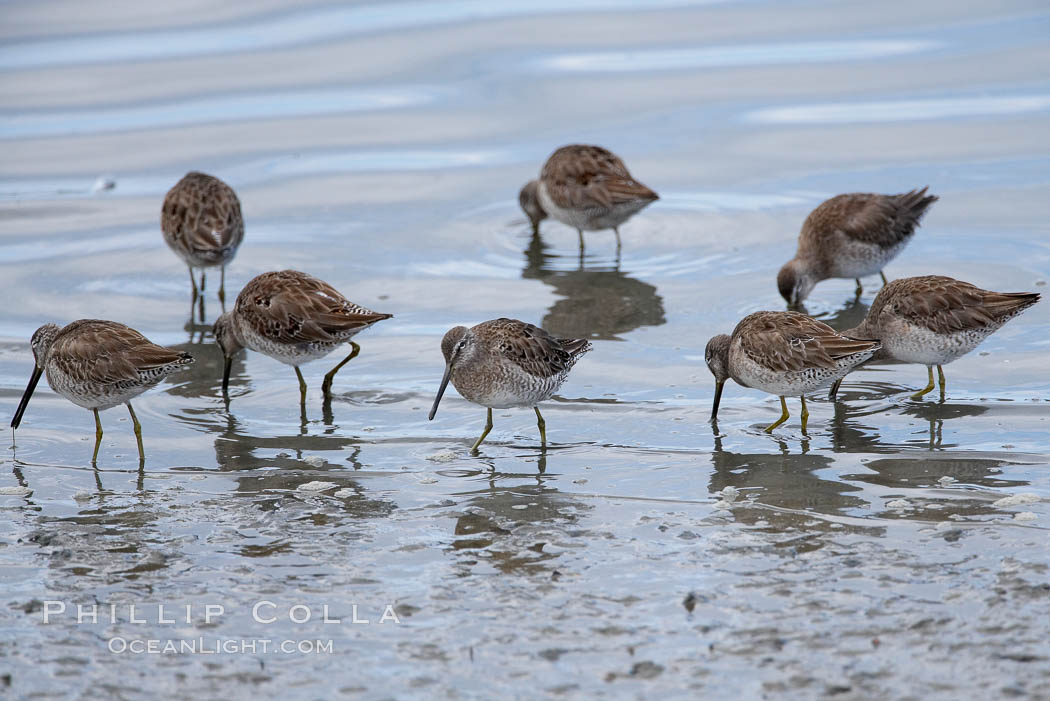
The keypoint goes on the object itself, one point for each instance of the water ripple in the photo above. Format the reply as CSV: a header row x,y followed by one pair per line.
x,y
211,109
294,29
901,110
639,60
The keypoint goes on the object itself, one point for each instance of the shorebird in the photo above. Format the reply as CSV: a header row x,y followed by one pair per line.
x,y
506,363
783,353
294,318
201,221
585,187
934,320
97,365
851,236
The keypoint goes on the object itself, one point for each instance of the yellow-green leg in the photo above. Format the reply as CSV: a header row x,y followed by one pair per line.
x,y
98,437
579,232
302,386
193,284
834,391
488,427
326,387
884,280
860,288
805,414
928,388
138,431
783,416
616,230
940,376
542,424
222,287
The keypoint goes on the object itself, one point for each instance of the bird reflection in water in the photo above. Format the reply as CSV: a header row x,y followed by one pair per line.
x,y
787,481
600,303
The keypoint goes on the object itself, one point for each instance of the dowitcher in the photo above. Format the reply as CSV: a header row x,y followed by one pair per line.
x,y
783,353
585,187
201,221
294,318
506,363
934,320
98,365
851,236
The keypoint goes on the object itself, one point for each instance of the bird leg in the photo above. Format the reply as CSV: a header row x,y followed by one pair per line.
x,y
884,280
98,436
579,232
616,230
860,288
928,388
805,413
202,280
326,387
222,287
138,432
834,391
940,376
783,416
302,386
193,284
488,427
542,424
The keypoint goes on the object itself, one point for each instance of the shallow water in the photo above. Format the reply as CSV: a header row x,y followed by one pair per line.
x,y
381,147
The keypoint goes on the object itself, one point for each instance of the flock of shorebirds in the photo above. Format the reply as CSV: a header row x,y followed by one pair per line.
x,y
295,318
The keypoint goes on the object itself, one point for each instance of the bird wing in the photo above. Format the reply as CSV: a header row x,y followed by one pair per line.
x,y
582,177
203,214
293,307
946,305
108,352
534,350
789,341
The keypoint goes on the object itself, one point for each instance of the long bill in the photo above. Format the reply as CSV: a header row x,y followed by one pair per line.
x,y
441,391
719,384
226,374
30,388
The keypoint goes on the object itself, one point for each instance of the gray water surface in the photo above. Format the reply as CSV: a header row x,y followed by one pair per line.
x,y
645,553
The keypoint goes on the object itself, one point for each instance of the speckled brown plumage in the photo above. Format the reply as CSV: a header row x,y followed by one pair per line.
x,y
790,342
289,307
784,353
99,364
943,305
934,320
585,187
294,318
851,236
584,177
201,220
506,363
